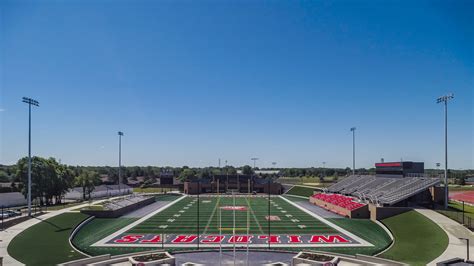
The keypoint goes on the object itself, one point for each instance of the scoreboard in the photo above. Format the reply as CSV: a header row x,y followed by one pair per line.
x,y
399,169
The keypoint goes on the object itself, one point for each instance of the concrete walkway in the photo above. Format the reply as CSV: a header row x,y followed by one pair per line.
x,y
8,234
454,230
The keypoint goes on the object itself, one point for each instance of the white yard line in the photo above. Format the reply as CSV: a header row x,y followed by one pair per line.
x,y
137,222
210,218
340,229
254,216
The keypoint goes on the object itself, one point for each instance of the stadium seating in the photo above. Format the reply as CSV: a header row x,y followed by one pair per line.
x,y
382,190
119,203
339,200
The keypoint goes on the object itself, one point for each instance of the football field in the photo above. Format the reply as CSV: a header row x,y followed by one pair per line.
x,y
227,221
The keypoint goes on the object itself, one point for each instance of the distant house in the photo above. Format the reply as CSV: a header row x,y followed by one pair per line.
x,y
469,180
12,199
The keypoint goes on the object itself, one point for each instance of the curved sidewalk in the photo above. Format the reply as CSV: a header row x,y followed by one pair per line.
x,y
8,234
454,230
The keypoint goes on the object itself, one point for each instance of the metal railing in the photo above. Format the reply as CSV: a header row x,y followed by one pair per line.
x,y
458,216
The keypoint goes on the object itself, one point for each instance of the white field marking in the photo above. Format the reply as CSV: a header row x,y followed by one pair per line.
x,y
170,220
279,208
163,226
295,220
137,222
181,211
283,211
210,218
177,215
302,226
289,215
254,217
189,205
296,196
185,207
338,228
206,201
315,188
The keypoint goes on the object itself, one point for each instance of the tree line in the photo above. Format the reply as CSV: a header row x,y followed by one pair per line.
x,y
51,180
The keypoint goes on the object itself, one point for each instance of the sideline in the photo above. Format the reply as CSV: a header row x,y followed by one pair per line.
x,y
103,241
454,230
363,242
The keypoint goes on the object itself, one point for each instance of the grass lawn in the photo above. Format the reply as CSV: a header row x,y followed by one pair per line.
x,y
93,208
46,243
300,191
417,239
460,188
62,206
468,209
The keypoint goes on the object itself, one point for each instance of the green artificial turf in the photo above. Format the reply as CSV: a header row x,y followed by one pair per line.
x,y
97,229
47,243
209,218
300,191
418,240
167,197
365,229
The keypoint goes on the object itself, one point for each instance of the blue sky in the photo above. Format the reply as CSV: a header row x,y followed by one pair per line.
x,y
192,82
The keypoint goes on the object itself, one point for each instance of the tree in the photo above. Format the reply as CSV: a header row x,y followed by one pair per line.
x,y
230,170
186,174
49,179
87,180
247,170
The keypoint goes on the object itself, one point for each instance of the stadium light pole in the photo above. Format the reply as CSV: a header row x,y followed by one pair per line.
x,y
30,102
324,169
120,134
353,129
254,161
444,99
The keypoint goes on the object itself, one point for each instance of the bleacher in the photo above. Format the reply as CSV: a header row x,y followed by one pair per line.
x,y
382,190
339,200
123,202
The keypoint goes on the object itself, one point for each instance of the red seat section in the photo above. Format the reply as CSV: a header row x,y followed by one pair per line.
x,y
339,200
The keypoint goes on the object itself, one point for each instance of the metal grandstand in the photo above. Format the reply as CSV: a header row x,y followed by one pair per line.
x,y
382,190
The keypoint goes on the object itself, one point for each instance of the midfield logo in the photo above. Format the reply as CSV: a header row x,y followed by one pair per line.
x,y
233,208
231,239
